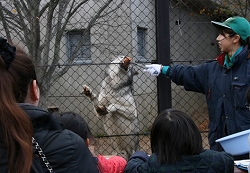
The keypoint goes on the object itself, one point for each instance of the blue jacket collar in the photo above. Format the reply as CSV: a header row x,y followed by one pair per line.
x,y
240,58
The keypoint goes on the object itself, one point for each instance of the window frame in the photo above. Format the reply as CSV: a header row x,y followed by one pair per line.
x,y
73,37
141,44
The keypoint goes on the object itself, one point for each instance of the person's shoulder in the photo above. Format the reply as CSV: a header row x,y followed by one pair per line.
x,y
61,139
209,152
73,149
73,140
219,154
140,154
70,136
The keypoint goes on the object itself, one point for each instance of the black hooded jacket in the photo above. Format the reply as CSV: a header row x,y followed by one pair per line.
x,y
65,150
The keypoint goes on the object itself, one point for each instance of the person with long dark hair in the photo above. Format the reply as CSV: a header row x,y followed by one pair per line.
x,y
176,145
31,140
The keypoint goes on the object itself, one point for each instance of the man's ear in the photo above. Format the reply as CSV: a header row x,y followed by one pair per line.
x,y
34,91
236,38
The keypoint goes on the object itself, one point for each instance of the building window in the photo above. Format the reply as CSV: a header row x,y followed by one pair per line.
x,y
141,43
83,55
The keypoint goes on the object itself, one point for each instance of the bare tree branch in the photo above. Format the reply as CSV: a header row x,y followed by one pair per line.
x,y
5,25
32,18
74,54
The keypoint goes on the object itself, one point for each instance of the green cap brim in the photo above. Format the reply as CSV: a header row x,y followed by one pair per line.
x,y
219,24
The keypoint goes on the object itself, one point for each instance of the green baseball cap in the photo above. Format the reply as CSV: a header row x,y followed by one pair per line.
x,y
238,24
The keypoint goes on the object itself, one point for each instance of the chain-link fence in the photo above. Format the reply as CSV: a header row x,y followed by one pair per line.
x,y
73,43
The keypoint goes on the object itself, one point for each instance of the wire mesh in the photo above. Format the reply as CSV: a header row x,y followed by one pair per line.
x,y
73,42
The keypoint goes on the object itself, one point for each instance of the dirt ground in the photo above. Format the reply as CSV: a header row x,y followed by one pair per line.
x,y
102,146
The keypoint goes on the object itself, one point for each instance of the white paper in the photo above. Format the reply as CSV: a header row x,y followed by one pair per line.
x,y
242,163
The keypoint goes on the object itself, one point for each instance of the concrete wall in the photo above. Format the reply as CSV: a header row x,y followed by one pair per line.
x,y
115,34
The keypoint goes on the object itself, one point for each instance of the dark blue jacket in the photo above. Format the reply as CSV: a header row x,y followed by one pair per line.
x,y
207,161
66,151
224,89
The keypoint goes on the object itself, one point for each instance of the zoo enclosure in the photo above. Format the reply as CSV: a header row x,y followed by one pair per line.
x,y
72,42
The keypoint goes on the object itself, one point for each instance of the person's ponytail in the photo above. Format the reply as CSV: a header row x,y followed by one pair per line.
x,y
15,125
16,131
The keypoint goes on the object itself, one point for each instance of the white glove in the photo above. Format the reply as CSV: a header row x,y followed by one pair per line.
x,y
153,69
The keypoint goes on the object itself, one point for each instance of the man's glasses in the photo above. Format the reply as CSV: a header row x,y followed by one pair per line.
x,y
225,37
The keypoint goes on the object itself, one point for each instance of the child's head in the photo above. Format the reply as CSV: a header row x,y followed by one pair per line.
x,y
74,122
173,135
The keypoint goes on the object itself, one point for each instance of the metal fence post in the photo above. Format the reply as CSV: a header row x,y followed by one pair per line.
x,y
163,53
